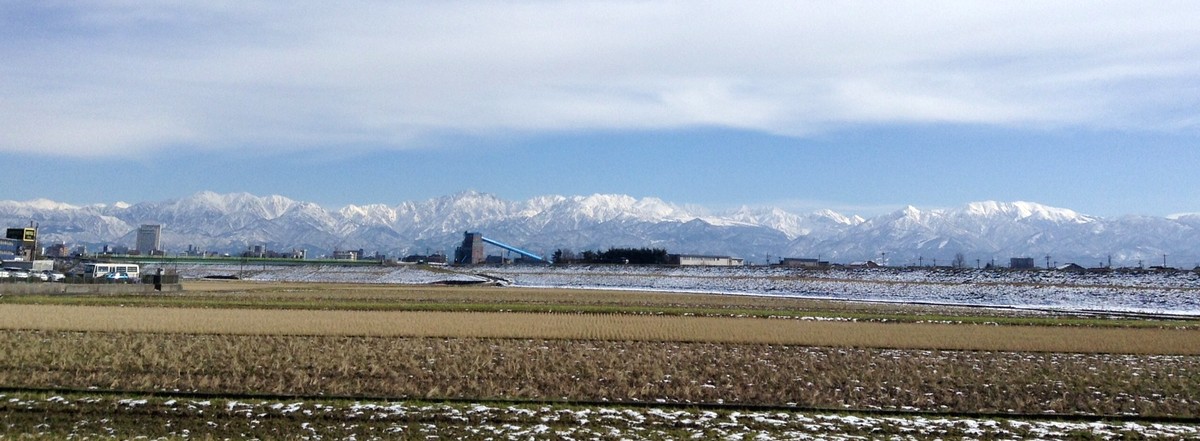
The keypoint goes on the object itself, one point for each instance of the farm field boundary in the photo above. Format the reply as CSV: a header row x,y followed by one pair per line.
x,y
601,327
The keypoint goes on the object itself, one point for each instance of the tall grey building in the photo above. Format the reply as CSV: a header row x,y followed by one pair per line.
x,y
148,237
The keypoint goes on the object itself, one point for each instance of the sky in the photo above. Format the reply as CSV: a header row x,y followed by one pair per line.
x,y
861,107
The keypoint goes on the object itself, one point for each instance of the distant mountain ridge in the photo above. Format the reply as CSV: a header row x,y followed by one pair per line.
x,y
981,231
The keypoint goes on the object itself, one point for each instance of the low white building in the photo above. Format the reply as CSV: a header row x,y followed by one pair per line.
x,y
793,262
698,260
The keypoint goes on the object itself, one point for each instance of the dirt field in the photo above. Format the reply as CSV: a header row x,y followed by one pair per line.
x,y
434,343
612,327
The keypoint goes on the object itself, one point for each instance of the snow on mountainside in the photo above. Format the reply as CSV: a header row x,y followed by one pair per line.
x,y
1024,210
36,204
818,222
985,231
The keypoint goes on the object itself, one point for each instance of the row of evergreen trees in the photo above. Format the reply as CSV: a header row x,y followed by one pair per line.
x,y
633,256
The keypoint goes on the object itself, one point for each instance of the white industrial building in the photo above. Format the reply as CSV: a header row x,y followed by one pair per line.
x,y
698,260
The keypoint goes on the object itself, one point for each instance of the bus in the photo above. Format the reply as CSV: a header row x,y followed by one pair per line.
x,y
121,271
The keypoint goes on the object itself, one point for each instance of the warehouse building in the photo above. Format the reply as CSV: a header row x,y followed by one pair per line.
x,y
699,260
795,262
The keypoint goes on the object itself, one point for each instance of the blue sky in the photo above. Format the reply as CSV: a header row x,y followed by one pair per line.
x,y
856,106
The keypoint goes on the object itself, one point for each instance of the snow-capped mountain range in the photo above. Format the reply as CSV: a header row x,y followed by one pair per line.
x,y
980,230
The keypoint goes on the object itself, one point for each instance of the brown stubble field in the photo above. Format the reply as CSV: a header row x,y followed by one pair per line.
x,y
598,370
617,357
607,327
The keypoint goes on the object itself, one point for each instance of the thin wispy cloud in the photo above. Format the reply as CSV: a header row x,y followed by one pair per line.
x,y
96,78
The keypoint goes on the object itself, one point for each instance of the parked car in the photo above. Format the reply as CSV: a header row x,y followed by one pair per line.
x,y
17,273
5,275
118,278
54,276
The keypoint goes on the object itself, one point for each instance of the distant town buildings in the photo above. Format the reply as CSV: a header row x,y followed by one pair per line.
x,y
1022,263
9,248
114,249
347,254
358,254
262,252
59,250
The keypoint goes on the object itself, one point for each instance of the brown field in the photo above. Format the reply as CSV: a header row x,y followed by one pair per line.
x,y
601,327
617,371
321,340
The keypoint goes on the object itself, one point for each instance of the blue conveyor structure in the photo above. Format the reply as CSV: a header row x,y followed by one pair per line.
x,y
516,250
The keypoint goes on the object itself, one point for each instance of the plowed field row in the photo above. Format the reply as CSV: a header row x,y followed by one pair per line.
x,y
601,327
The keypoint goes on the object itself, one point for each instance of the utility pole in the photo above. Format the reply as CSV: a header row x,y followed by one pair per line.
x,y
33,254
1164,261
1047,261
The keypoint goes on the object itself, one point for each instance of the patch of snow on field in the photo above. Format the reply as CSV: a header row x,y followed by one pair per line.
x,y
1148,292
402,275
1151,293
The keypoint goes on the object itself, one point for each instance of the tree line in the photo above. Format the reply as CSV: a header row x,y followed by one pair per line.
x,y
631,256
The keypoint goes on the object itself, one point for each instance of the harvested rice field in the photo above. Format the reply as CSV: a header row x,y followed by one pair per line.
x,y
606,371
801,368
618,327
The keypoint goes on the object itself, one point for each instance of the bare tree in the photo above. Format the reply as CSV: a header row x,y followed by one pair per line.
x,y
959,261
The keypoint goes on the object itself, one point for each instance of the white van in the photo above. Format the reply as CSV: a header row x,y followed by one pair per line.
x,y
115,271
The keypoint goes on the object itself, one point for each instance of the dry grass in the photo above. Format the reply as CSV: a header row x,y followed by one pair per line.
x,y
602,327
962,381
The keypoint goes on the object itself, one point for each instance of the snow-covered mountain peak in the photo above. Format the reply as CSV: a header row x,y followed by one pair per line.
x,y
838,217
471,200
269,207
1021,210
789,224
657,209
230,222
371,213
616,206
42,204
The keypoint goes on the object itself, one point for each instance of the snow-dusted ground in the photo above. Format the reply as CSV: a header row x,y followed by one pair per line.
x,y
403,275
389,420
1156,293
1151,292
